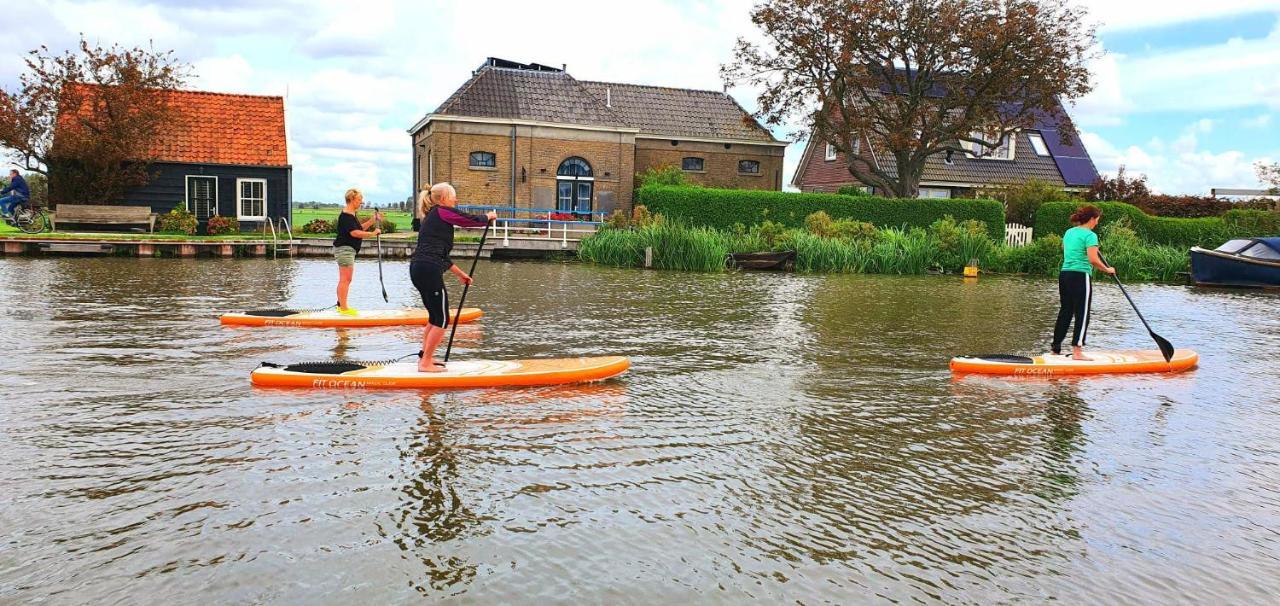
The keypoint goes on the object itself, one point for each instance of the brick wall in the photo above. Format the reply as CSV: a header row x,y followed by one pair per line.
x,y
720,164
539,153
817,174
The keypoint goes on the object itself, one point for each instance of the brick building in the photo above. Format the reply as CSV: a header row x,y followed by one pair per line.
x,y
532,136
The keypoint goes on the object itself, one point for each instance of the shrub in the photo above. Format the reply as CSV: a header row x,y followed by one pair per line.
x,y
1043,257
722,208
641,217
857,191
958,243
1021,201
219,224
387,226
178,221
1184,206
1120,188
318,226
1207,232
661,175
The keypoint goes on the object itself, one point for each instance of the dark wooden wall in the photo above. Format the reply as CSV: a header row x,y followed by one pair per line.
x,y
168,187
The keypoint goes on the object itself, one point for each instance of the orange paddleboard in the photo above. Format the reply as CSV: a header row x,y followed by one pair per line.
x,y
330,318
1103,362
460,374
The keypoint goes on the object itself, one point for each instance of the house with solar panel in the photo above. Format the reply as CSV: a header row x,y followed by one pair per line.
x,y
1034,153
222,154
527,135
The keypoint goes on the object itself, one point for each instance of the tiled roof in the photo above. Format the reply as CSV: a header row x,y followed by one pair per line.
x,y
556,97
680,112
1026,164
542,96
219,128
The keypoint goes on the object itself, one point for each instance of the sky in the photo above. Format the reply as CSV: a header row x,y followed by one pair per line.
x,y
1186,92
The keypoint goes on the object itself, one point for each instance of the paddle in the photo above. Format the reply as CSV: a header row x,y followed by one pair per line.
x,y
383,284
449,348
1166,348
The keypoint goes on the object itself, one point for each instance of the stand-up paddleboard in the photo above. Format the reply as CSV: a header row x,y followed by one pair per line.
x,y
1103,362
330,318
469,373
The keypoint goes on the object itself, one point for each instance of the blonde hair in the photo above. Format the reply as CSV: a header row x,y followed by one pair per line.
x,y
431,196
352,193
424,200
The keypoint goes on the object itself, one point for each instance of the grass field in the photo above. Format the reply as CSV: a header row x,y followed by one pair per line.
x,y
302,216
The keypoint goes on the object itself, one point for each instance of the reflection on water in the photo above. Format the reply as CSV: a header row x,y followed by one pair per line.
x,y
780,437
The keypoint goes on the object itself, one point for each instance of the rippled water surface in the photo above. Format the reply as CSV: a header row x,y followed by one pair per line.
x,y
779,438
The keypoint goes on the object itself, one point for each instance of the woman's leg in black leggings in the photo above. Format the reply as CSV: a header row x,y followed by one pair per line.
x,y
1067,295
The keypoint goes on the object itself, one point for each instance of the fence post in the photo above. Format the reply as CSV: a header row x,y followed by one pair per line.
x,y
648,257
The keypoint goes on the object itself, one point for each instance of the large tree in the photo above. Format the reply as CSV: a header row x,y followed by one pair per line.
x,y
915,77
90,118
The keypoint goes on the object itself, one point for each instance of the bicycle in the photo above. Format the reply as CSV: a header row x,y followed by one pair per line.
x,y
28,219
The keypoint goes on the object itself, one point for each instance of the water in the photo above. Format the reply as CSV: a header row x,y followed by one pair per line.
x,y
779,438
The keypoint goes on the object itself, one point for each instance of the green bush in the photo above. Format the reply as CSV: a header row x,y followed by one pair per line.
x,y
722,208
958,243
1042,257
857,191
1206,232
388,226
219,224
675,246
318,226
178,221
1023,200
661,175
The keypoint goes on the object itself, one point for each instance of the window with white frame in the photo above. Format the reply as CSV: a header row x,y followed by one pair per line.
x,y
251,199
934,192
831,152
1004,151
1037,143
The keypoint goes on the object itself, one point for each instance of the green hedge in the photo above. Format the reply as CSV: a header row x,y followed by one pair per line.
x,y
722,208
1206,232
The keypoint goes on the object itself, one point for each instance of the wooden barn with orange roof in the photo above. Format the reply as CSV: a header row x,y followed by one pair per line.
x,y
225,154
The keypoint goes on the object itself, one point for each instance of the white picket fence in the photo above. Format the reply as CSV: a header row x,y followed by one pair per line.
x,y
1016,234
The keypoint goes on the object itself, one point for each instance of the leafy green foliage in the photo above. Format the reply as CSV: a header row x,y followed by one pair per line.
x,y
219,225
1023,200
318,226
1206,232
662,175
722,208
177,221
675,246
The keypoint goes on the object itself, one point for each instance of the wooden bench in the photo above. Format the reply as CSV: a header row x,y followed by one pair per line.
x,y
104,215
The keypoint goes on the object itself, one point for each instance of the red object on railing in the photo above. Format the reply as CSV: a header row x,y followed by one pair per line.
x,y
563,217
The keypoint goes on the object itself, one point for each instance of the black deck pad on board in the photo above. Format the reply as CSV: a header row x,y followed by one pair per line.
x,y
271,313
319,368
1008,358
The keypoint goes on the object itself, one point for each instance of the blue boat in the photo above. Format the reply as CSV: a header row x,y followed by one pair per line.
x,y
1254,262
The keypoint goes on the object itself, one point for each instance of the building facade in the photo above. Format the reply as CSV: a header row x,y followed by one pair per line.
x,y
532,136
1037,153
223,154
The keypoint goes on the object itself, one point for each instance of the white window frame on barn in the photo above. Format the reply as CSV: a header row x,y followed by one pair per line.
x,y
241,199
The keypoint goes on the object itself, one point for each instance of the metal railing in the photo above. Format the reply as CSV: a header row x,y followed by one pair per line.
x,y
540,229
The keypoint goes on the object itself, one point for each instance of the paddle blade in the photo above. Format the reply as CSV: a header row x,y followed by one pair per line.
x,y
1166,348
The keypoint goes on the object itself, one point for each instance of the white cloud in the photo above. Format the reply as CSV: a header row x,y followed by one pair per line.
x,y
1260,121
1141,14
1177,168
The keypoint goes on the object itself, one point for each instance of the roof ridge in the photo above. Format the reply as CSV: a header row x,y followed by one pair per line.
x,y
694,90
187,91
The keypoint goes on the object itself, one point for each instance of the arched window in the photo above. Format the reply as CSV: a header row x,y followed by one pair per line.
x,y
574,186
481,159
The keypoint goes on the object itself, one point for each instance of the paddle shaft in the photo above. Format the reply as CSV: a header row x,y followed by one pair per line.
x,y
380,281
1166,348
465,287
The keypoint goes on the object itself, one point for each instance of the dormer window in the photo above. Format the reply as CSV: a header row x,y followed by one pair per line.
x,y
1004,151
831,152
1037,143
855,146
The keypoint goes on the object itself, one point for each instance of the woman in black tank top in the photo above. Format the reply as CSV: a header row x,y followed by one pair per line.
x,y
431,260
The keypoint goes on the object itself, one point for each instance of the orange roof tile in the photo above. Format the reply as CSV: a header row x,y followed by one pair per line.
x,y
221,128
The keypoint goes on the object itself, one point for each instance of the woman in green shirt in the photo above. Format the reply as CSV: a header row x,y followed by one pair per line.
x,y
1075,281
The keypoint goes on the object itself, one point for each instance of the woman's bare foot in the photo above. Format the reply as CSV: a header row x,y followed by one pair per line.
x,y
429,365
1078,355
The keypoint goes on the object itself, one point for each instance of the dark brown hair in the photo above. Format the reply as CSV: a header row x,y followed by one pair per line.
x,y
1085,214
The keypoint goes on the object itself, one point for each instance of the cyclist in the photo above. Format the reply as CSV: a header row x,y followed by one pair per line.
x,y
20,194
